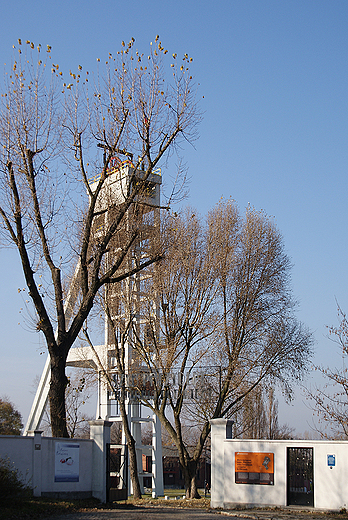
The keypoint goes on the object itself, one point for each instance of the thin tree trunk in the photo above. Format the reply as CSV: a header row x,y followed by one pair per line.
x,y
133,466
188,465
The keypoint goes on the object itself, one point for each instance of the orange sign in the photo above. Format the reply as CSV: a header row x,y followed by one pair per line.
x,y
251,462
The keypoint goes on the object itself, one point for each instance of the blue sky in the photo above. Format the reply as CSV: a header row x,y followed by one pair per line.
x,y
274,76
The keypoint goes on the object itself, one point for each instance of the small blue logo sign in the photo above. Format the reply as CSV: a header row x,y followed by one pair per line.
x,y
331,460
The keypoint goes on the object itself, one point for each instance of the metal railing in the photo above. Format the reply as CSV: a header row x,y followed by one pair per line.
x,y
117,165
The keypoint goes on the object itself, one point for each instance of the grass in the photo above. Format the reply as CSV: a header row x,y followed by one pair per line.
x,y
175,499
28,507
196,503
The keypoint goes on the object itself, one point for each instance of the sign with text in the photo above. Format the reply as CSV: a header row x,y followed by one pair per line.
x,y
254,468
67,458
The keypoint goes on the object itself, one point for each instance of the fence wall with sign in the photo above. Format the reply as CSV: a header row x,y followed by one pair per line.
x,y
62,468
257,472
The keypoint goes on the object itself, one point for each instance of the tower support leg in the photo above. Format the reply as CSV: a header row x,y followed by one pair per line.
x,y
157,462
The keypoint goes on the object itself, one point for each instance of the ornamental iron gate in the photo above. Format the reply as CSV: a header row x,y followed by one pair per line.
x,y
116,472
300,485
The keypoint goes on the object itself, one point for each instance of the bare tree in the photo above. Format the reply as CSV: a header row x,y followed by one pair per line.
x,y
120,336
77,394
330,401
78,391
257,417
61,142
227,322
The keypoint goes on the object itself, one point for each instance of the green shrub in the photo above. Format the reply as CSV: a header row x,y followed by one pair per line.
x,y
11,483
10,418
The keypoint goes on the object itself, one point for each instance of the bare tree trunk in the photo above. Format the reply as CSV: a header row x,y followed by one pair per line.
x,y
190,472
193,490
58,386
187,482
133,467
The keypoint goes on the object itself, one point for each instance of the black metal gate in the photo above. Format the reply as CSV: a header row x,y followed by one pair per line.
x,y
116,472
300,484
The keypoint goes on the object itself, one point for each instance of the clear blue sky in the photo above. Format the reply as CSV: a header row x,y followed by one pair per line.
x,y
274,76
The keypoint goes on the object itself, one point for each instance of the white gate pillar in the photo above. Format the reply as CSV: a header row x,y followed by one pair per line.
x,y
100,434
37,464
221,429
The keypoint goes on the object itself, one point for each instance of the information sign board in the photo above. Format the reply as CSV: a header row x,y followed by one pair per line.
x,y
67,457
254,468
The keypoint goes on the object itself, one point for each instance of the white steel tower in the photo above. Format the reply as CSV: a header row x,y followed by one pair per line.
x,y
124,303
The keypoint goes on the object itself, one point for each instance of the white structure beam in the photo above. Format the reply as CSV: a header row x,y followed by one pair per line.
x,y
116,185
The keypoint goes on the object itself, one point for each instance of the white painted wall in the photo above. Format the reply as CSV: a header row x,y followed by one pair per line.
x,y
34,457
254,493
37,466
330,485
48,466
19,451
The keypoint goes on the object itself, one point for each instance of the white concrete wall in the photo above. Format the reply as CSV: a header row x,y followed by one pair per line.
x,y
34,457
254,493
84,485
19,451
330,485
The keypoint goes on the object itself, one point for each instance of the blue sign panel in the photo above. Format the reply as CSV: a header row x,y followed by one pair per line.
x,y
331,460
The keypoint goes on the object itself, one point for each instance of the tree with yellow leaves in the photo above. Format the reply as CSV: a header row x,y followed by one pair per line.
x,y
60,139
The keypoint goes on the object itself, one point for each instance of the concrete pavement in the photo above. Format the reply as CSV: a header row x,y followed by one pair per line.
x,y
141,513
168,513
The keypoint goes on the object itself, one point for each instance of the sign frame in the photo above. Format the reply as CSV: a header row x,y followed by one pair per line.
x,y
66,462
254,468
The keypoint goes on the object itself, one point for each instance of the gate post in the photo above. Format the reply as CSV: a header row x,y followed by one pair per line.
x,y
100,434
37,464
221,429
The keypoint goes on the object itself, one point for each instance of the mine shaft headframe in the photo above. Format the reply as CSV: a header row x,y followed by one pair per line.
x,y
116,150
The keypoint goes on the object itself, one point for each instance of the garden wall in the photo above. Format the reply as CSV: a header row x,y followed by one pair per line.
x,y
59,467
277,473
